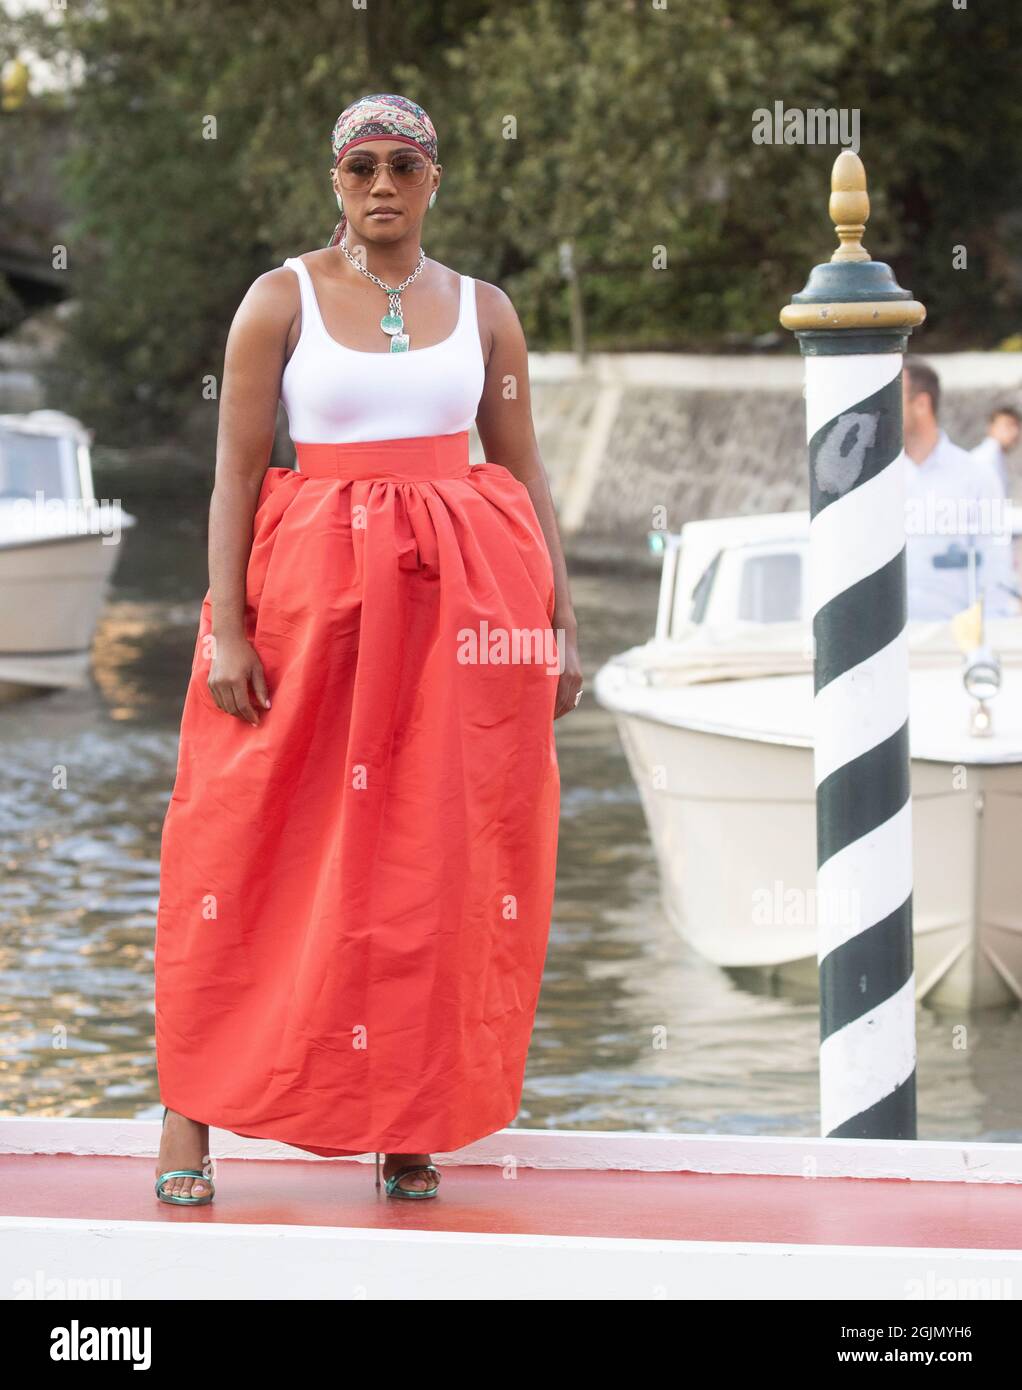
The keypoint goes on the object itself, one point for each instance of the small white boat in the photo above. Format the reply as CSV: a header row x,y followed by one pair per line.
x,y
58,550
715,716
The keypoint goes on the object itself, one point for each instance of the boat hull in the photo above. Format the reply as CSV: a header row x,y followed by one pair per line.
x,y
733,826
53,592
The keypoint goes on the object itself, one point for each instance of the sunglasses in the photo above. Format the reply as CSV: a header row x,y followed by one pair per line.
x,y
359,171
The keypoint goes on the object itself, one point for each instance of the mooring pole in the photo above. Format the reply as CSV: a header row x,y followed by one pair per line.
x,y
852,323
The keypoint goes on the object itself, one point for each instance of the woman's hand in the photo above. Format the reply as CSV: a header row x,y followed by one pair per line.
x,y
569,682
235,664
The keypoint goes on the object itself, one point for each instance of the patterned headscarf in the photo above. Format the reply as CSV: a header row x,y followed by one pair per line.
x,y
382,116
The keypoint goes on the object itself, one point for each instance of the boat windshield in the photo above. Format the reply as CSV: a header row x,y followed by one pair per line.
x,y
30,463
703,589
771,588
761,583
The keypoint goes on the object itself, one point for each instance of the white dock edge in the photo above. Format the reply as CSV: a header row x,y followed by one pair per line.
x,y
922,1160
153,1260
71,1259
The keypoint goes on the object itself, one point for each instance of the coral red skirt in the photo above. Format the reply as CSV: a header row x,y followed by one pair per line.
x,y
355,896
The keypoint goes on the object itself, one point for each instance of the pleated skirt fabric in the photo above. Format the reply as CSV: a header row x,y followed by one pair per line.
x,y
355,896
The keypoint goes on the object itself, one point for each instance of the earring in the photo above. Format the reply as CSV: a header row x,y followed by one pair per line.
x,y
432,199
339,203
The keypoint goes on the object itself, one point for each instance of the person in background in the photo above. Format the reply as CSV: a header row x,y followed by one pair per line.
x,y
1003,429
954,504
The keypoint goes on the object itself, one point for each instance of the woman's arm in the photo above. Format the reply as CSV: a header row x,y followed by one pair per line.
x,y
508,437
253,363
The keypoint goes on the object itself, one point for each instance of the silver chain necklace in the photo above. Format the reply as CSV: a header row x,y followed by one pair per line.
x,y
393,320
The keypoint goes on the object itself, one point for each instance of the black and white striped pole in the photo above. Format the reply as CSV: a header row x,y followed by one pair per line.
x,y
852,323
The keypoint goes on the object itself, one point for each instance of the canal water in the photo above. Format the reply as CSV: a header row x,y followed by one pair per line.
x,y
634,1030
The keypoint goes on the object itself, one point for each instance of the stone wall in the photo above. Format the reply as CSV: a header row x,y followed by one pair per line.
x,y
630,433
704,437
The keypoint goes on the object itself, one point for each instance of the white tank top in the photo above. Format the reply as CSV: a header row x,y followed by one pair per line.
x,y
338,395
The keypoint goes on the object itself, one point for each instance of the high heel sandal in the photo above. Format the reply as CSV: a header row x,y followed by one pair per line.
x,y
184,1199
393,1190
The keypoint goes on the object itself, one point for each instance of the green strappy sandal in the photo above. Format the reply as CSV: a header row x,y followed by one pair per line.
x,y
185,1199
391,1183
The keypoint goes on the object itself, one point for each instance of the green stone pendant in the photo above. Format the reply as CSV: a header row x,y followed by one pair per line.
x,y
399,342
392,323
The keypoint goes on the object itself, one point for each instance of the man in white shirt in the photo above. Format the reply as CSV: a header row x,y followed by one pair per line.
x,y
957,519
1003,430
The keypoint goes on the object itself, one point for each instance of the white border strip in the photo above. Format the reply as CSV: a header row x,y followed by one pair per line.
x,y
836,384
869,1058
857,534
864,882
589,1150
162,1260
861,708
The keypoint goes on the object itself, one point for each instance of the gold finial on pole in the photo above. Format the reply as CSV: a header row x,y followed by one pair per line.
x,y
849,206
851,290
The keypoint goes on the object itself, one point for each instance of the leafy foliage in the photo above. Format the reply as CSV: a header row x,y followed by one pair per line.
x,y
624,128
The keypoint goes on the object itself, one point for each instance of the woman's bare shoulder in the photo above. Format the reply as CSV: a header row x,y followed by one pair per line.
x,y
274,284
497,317
272,299
327,255
493,298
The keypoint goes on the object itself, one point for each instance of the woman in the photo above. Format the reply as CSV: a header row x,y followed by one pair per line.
x,y
358,857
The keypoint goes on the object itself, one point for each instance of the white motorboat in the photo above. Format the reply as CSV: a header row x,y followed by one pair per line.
x,y
715,716
58,550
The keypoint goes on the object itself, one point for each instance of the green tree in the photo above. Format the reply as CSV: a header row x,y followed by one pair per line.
x,y
625,127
